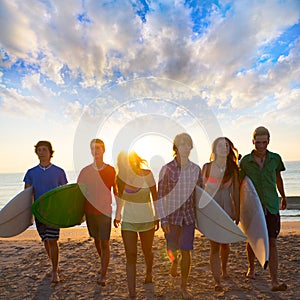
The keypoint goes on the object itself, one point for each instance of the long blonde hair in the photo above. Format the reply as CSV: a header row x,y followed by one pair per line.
x,y
129,165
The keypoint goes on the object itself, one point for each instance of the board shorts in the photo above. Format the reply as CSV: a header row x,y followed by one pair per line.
x,y
47,232
180,237
99,226
273,224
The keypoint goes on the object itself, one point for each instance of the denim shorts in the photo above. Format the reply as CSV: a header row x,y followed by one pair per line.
x,y
180,237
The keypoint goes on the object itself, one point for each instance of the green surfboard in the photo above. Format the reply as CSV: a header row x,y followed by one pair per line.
x,y
61,207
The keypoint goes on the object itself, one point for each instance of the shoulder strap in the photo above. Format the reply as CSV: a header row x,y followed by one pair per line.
x,y
207,169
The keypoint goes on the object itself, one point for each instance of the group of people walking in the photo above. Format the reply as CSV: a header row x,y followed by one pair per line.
x,y
141,204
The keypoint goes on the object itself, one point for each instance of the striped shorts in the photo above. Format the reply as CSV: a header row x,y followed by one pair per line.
x,y
46,232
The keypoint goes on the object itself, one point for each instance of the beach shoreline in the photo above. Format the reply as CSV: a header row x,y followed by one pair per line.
x,y
77,232
24,264
293,202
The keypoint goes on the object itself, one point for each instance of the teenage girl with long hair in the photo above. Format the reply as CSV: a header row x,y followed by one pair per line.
x,y
136,188
221,178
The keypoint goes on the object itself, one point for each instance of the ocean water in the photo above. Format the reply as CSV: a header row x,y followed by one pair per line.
x,y
12,183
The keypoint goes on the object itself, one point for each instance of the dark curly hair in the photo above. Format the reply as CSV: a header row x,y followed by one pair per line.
x,y
44,143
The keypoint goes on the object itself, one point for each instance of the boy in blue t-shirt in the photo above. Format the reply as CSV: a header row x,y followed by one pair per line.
x,y
43,178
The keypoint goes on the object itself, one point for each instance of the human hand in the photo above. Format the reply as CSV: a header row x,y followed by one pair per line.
x,y
283,203
237,219
117,223
165,228
156,225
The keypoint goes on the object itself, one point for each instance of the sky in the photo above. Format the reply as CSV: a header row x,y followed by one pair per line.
x,y
136,73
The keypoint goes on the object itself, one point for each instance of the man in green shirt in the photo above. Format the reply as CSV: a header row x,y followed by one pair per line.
x,y
263,168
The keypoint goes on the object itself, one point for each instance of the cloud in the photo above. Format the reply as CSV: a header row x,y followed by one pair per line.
x,y
91,44
32,83
22,106
16,35
74,110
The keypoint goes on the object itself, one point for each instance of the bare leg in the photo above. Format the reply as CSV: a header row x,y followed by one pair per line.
x,y
47,247
98,246
53,249
250,256
273,261
130,244
185,266
174,265
103,250
273,266
215,263
147,242
225,249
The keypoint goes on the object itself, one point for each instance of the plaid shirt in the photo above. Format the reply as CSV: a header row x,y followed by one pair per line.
x,y
176,191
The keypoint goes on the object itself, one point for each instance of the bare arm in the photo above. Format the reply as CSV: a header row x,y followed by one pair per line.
x,y
162,191
205,173
118,191
152,185
153,191
26,185
236,196
280,187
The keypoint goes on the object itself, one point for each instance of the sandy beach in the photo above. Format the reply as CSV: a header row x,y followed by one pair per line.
x,y
23,268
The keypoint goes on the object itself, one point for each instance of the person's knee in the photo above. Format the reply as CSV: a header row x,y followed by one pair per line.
x,y
214,248
131,257
225,248
147,251
53,243
186,254
104,245
272,243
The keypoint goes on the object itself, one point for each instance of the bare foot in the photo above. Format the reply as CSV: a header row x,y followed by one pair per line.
x,y
101,281
173,270
55,277
49,273
279,287
148,279
218,288
250,274
186,295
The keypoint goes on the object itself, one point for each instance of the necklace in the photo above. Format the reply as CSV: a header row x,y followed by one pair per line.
x,y
221,168
99,169
261,158
45,168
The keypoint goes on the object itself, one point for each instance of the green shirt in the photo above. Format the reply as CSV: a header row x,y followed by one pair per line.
x,y
264,180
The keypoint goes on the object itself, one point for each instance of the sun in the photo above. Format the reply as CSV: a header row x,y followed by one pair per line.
x,y
154,148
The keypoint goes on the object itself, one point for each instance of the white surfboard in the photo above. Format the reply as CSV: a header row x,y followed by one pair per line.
x,y
16,215
253,221
214,222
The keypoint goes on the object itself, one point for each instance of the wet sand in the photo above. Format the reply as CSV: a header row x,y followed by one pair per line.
x,y
24,264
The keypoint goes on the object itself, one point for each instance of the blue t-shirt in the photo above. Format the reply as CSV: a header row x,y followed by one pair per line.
x,y
43,180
